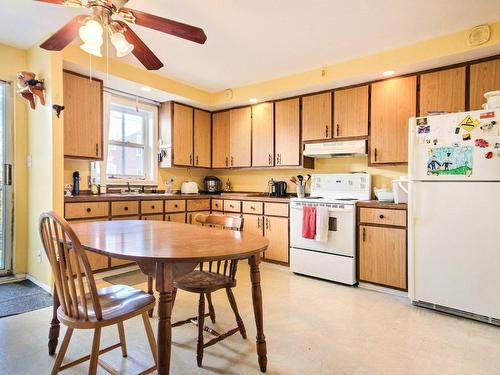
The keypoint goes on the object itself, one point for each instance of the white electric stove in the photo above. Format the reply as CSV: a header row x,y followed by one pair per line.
x,y
335,258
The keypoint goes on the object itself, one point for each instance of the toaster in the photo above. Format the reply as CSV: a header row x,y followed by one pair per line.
x,y
189,187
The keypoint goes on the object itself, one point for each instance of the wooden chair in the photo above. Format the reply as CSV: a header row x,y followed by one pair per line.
x,y
209,278
94,308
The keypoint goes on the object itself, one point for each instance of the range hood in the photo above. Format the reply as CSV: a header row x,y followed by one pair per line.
x,y
335,148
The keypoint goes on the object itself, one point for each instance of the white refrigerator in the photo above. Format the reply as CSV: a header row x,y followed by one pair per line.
x,y
454,213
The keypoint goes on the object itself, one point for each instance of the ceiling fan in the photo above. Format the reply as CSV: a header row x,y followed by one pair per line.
x,y
91,28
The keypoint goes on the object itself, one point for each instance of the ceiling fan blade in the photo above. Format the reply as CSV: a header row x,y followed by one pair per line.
x,y
141,50
64,35
181,30
58,2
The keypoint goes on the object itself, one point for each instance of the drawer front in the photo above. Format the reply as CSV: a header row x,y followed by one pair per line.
x,y
175,205
217,205
178,218
382,216
276,209
86,210
116,218
152,217
253,208
124,208
152,207
198,204
232,206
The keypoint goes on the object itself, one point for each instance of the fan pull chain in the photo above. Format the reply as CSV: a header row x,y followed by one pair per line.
x,y
107,57
90,66
137,103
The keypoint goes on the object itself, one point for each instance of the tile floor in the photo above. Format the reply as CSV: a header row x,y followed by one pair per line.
x,y
312,327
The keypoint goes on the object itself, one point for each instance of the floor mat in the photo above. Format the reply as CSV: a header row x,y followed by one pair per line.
x,y
23,296
128,278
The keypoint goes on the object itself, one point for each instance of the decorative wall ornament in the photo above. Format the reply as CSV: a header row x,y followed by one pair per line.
x,y
29,87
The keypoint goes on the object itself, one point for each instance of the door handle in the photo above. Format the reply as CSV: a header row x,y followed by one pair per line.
x,y
7,174
364,234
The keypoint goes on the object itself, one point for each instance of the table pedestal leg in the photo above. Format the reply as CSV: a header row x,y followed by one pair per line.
x,y
254,262
164,286
54,324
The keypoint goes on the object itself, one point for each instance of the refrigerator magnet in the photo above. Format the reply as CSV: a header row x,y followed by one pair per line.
x,y
468,123
466,137
488,155
481,143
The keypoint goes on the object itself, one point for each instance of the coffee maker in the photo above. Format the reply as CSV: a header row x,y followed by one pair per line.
x,y
280,189
212,185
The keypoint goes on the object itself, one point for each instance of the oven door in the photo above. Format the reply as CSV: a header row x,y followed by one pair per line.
x,y
341,232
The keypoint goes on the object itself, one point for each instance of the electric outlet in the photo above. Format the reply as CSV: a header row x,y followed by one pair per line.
x,y
39,256
29,161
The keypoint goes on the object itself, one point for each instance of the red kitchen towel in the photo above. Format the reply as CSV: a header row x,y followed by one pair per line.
x,y
309,222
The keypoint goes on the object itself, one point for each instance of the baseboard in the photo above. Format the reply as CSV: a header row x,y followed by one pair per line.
x,y
381,289
12,278
42,285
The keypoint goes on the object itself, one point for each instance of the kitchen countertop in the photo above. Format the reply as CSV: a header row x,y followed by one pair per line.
x,y
377,204
260,197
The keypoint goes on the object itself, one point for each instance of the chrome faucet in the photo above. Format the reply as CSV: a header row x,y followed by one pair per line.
x,y
128,187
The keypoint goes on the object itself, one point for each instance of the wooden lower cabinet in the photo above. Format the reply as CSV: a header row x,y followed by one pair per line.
x,y
276,231
178,217
253,224
382,256
96,261
157,217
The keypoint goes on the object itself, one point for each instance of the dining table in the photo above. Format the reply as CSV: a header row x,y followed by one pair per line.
x,y
167,250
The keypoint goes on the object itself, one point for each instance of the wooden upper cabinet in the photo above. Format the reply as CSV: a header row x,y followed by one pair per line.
x,y
220,139
263,135
287,132
182,135
484,77
350,112
393,102
240,137
317,117
202,145
443,90
83,117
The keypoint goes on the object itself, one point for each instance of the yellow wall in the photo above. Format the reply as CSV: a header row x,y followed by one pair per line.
x,y
13,60
45,176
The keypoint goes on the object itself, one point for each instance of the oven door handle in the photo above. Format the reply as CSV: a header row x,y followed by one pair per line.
x,y
330,209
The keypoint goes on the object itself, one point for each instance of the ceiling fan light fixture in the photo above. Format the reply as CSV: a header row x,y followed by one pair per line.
x,y
91,34
123,47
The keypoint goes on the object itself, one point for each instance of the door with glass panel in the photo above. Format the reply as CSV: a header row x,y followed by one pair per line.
x,y
6,215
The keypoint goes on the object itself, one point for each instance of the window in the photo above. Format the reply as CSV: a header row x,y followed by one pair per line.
x,y
131,142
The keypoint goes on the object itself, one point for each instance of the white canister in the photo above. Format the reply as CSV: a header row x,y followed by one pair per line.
x,y
400,188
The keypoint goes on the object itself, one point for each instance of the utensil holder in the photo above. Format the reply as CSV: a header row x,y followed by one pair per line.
x,y
301,190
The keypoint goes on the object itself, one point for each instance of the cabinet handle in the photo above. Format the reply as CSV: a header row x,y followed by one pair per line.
x,y
278,158
364,234
196,159
190,159
338,129
232,161
89,209
252,208
168,217
176,205
381,216
231,206
258,223
226,162
375,154
267,224
153,207
326,131
97,149
270,159
125,208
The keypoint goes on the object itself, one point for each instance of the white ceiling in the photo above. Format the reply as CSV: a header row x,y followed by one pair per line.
x,y
252,41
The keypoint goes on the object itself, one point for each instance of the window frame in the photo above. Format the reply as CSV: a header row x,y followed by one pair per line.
x,y
150,142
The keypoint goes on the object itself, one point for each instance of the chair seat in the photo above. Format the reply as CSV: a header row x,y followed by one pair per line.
x,y
117,301
203,282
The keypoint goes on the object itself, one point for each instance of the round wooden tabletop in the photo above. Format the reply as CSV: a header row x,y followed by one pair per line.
x,y
166,241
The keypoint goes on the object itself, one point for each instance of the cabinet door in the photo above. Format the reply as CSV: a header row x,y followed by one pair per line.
x,y
220,140
382,256
287,132
350,112
393,102
182,134
83,117
484,77
317,117
202,144
276,231
177,218
442,91
240,137
253,224
263,135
